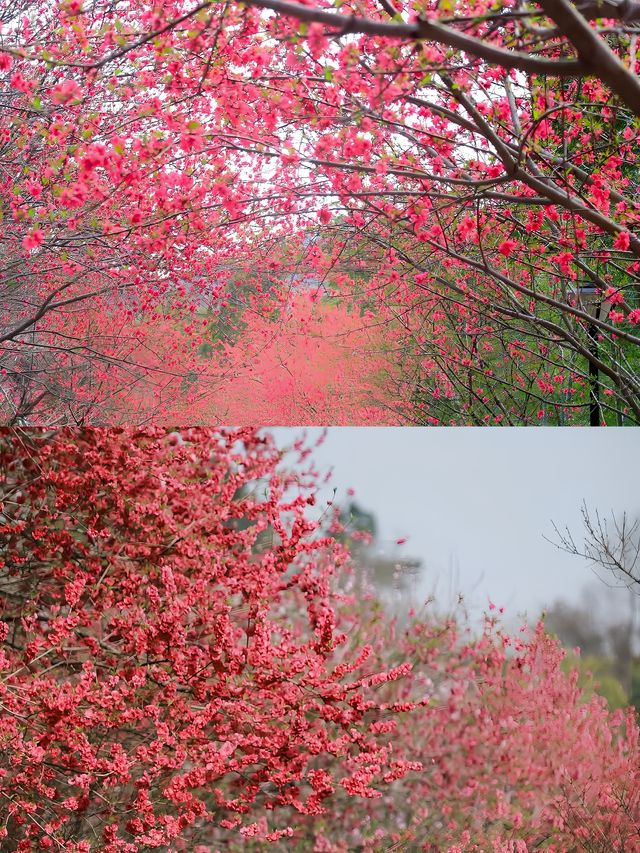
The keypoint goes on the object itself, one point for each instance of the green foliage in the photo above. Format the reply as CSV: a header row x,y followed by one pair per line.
x,y
596,674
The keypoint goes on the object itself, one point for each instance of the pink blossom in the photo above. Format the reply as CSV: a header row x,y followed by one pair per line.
x,y
622,241
507,247
33,239
67,90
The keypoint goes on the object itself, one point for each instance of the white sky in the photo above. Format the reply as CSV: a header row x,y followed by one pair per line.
x,y
474,504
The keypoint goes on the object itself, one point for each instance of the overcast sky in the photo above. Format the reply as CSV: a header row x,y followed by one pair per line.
x,y
474,504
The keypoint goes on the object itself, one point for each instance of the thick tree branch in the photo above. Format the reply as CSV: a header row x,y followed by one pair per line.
x,y
594,52
426,30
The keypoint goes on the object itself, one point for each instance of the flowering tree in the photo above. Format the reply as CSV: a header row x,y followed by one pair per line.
x,y
477,162
118,202
497,179
171,670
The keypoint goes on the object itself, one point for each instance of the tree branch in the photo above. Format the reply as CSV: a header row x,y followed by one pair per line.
x,y
425,30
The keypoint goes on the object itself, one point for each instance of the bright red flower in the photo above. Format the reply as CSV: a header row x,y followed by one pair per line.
x,y
622,241
507,247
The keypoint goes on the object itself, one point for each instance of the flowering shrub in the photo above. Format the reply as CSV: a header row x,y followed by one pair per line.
x,y
515,758
317,363
308,362
169,665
